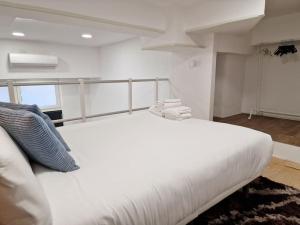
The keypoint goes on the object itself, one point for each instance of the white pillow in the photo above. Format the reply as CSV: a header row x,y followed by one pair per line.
x,y
22,199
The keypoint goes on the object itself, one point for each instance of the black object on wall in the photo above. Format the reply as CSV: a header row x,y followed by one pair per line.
x,y
285,49
55,115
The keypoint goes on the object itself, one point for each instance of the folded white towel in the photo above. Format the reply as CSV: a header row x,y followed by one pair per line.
x,y
185,116
162,106
172,116
179,110
171,105
159,106
171,109
155,111
173,100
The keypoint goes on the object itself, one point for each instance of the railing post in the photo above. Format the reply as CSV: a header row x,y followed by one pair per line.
x,y
170,89
11,91
82,99
130,95
156,90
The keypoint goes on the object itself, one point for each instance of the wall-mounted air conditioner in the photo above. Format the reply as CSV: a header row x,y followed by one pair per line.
x,y
32,60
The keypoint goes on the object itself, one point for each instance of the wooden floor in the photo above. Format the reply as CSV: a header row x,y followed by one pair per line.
x,y
281,130
284,172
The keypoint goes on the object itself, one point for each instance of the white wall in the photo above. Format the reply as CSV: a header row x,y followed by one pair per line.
x,y
80,61
237,44
193,78
74,61
280,83
273,83
118,61
251,79
229,84
192,75
126,60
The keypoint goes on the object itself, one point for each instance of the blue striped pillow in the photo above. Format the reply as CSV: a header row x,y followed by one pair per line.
x,y
35,109
36,139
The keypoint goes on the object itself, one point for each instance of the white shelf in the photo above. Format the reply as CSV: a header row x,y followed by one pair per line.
x,y
176,47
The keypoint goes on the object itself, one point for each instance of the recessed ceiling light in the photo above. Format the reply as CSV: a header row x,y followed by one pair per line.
x,y
18,34
87,36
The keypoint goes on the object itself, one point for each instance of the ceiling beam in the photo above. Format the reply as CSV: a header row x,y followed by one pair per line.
x,y
61,16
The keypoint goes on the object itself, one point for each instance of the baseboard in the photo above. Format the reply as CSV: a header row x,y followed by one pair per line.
x,y
287,152
274,114
281,116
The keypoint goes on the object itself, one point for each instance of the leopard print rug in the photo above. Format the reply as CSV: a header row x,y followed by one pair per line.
x,y
265,203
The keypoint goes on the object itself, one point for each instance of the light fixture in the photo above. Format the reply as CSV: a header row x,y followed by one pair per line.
x,y
18,34
87,36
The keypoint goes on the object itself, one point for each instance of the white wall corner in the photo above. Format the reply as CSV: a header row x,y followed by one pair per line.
x,y
229,84
236,44
195,85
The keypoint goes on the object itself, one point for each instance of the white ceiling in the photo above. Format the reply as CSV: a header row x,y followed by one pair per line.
x,y
57,33
71,34
241,27
281,7
273,7
170,2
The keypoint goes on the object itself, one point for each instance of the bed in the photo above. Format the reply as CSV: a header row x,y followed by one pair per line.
x,y
144,170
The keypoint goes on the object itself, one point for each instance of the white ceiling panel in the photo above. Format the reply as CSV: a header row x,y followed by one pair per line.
x,y
58,33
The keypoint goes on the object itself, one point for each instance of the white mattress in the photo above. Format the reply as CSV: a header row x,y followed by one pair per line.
x,y
144,170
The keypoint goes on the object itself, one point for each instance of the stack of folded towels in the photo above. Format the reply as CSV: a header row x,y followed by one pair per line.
x,y
171,109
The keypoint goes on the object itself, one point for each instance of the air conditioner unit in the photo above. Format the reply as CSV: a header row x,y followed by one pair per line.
x,y
32,60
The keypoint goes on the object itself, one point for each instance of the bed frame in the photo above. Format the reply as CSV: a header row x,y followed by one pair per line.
x,y
217,199
82,82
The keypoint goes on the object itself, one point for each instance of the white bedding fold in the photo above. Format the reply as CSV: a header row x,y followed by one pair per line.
x,y
155,111
177,116
177,113
170,105
179,110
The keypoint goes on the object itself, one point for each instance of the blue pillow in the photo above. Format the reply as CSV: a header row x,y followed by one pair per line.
x,y
35,109
36,139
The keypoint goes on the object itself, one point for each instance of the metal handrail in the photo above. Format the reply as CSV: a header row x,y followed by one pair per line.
x,y
16,82
81,82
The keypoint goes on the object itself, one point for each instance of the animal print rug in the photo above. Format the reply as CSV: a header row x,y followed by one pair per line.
x,y
266,203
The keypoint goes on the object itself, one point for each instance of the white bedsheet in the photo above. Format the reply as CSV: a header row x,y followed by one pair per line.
x,y
144,170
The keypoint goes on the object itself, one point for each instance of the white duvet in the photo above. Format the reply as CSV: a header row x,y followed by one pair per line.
x,y
144,170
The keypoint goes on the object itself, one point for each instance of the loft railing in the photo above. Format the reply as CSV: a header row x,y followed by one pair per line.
x,y
82,82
